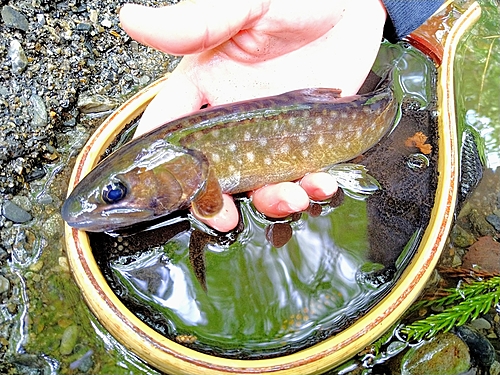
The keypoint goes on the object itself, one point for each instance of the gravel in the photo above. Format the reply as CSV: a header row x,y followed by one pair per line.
x,y
64,66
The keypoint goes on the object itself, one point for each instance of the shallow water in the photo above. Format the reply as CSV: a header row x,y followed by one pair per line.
x,y
255,299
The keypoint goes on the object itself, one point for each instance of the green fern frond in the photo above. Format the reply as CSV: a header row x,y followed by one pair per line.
x,y
462,304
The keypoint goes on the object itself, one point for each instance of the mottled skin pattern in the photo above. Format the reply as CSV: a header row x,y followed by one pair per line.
x,y
231,148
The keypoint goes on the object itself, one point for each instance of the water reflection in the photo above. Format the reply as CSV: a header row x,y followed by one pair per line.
x,y
258,298
165,284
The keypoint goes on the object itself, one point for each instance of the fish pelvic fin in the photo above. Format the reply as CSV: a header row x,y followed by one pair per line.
x,y
208,201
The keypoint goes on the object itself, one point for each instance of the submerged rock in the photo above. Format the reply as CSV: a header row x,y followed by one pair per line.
x,y
494,220
445,354
15,213
481,350
483,254
69,339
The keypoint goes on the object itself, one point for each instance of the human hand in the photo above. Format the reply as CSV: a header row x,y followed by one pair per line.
x,y
242,50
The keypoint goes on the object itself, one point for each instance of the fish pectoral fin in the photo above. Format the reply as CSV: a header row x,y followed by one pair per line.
x,y
208,201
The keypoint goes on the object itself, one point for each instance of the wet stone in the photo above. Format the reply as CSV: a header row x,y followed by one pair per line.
x,y
69,340
15,213
480,323
4,284
83,26
23,202
483,254
446,354
35,174
494,220
88,103
13,18
479,224
461,237
84,363
481,350
31,364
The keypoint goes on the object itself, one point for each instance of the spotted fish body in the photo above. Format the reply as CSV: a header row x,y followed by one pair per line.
x,y
230,148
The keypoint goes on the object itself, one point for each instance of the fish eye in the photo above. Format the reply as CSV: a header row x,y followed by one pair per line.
x,y
114,192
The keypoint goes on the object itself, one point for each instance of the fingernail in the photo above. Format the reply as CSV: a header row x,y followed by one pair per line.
x,y
288,207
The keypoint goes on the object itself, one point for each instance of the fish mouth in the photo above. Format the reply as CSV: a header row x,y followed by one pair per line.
x,y
106,220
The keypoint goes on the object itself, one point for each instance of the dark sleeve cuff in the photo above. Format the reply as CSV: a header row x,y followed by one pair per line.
x,y
404,16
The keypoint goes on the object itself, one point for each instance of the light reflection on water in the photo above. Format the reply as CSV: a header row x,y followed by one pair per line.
x,y
259,298
286,292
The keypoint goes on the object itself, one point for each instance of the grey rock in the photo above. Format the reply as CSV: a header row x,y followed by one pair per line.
x,y
480,323
4,284
39,111
83,26
15,213
18,60
88,103
23,202
494,220
13,18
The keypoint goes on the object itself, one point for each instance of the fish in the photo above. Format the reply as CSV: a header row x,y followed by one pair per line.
x,y
231,148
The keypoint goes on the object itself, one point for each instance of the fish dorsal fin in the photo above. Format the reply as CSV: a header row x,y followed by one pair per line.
x,y
319,95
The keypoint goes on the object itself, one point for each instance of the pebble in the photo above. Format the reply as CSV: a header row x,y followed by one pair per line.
x,y
494,220
15,213
52,226
23,202
445,354
13,18
39,111
18,60
69,339
480,323
461,237
95,103
83,26
84,363
481,350
495,368
106,23
4,284
483,254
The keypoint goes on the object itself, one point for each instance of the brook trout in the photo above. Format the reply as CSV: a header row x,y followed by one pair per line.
x,y
230,148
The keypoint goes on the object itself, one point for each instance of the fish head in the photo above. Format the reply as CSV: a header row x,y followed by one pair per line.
x,y
138,182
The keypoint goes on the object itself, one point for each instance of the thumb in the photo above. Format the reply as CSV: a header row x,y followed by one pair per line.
x,y
190,26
